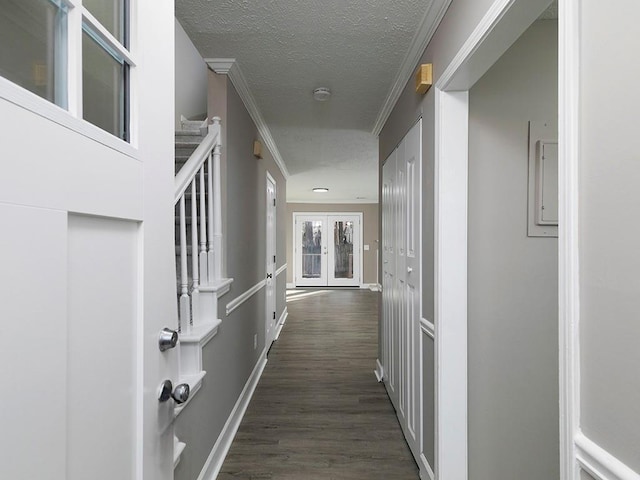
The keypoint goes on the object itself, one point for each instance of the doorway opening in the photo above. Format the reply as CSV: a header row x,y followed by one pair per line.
x,y
328,249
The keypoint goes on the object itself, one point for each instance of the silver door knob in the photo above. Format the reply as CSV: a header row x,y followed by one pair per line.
x,y
167,339
180,394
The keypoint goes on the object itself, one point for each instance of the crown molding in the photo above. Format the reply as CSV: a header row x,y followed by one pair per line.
x,y
230,67
220,65
426,29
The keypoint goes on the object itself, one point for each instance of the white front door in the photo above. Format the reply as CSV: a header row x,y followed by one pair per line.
x,y
328,249
88,272
270,290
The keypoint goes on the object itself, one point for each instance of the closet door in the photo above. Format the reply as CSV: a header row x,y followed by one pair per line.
x,y
401,283
412,284
389,277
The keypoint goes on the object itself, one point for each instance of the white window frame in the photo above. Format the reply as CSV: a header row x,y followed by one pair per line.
x,y
71,117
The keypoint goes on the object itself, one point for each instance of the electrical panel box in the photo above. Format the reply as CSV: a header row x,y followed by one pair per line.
x,y
543,180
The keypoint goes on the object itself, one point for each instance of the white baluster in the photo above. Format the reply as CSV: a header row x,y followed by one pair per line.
x,y
203,229
184,275
210,190
195,289
217,208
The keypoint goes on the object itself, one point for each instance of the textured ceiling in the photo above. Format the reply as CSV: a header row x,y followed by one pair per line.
x,y
285,49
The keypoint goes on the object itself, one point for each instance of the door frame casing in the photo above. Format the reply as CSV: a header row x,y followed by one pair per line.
x,y
329,214
502,25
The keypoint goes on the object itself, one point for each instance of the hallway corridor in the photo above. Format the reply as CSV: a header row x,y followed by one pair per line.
x,y
318,412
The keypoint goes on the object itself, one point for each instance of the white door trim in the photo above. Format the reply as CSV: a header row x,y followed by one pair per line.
x,y
503,24
360,215
568,245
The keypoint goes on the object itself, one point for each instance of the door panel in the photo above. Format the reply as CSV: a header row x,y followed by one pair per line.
x,y
344,250
311,250
388,275
103,386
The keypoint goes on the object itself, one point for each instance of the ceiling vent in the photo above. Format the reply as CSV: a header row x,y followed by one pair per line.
x,y
321,94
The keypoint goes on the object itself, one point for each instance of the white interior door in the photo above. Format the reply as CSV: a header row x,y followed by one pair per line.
x,y
389,276
270,290
401,284
88,280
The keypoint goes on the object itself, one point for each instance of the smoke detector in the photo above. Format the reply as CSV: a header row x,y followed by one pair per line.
x,y
321,94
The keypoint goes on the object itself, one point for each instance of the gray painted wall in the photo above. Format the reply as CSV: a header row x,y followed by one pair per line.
x,y
370,219
609,205
190,78
460,20
512,278
230,357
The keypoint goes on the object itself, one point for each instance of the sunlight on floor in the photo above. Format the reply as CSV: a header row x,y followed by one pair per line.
x,y
293,295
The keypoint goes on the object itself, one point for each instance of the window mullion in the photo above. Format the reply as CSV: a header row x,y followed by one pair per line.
x,y
74,60
107,37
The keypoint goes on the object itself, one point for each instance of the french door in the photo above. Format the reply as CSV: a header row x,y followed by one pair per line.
x,y
328,249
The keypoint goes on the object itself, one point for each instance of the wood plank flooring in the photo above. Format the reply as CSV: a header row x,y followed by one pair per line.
x,y
318,411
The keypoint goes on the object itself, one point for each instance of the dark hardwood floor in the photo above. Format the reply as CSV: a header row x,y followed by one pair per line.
x,y
318,412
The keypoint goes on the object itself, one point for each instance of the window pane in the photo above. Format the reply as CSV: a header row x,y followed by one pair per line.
x,y
32,47
104,88
311,249
343,248
111,14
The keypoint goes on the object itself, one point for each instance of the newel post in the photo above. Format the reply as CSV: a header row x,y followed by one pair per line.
x,y
215,205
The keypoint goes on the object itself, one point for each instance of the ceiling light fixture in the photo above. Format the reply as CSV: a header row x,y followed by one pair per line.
x,y
321,94
321,190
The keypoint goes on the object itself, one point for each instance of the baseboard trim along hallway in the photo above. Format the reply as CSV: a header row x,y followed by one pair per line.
x,y
216,458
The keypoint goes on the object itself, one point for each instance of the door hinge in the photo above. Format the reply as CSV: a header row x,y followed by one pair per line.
x,y
274,202
274,259
274,315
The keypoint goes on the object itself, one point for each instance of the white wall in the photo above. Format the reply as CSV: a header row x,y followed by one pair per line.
x,y
609,203
512,278
191,78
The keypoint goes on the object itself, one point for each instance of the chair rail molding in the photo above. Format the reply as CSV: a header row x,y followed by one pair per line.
x,y
599,463
240,299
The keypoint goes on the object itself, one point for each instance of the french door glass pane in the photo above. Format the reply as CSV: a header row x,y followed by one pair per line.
x,y
311,249
111,15
33,47
343,249
104,88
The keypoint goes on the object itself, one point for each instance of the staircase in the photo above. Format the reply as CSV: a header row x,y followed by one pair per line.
x,y
198,240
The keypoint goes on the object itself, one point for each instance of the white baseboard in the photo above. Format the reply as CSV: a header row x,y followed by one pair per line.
x,y
281,320
599,463
371,286
426,472
216,458
291,285
379,371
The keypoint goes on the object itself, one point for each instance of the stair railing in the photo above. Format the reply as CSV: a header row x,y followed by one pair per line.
x,y
200,176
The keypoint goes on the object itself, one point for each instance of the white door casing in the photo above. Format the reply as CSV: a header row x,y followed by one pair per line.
x,y
89,278
270,289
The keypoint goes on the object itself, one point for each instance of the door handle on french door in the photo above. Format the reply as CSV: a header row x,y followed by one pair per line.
x,y
179,395
168,339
